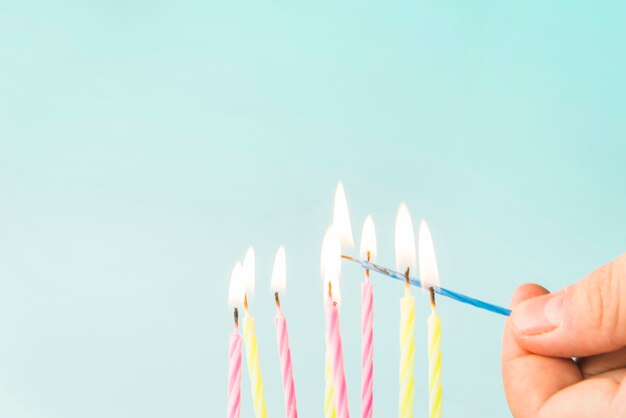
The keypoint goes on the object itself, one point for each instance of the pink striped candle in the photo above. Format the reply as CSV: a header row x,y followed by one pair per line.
x,y
279,278
331,270
368,251
336,356
282,338
234,374
367,349
235,299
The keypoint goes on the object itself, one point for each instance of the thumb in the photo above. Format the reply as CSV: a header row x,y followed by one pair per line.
x,y
586,318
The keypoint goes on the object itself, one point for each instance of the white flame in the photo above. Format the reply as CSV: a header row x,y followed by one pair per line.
x,y
331,262
368,240
405,241
236,289
341,218
279,272
249,271
429,273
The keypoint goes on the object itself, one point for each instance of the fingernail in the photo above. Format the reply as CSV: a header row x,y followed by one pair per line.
x,y
539,315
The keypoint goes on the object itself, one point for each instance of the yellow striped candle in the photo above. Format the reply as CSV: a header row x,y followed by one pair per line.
x,y
330,406
254,369
407,354
434,361
429,273
405,261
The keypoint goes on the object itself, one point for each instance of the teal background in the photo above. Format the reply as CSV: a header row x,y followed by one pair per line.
x,y
144,145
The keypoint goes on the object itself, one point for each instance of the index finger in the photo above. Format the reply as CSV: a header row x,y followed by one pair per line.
x,y
530,380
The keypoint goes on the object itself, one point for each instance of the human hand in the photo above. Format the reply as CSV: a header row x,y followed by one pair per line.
x,y
586,321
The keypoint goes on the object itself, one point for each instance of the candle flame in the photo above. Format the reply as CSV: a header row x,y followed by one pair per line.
x,y
331,263
279,272
236,289
429,273
249,271
341,218
405,241
368,240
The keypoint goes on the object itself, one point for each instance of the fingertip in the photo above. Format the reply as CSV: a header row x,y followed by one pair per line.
x,y
510,346
621,259
526,291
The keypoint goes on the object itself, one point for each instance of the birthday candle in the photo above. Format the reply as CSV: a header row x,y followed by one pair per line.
x,y
249,338
434,363
327,261
405,261
282,337
235,299
429,273
407,354
331,256
234,374
368,251
336,355
330,406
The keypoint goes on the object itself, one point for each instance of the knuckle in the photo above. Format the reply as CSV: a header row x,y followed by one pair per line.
x,y
603,301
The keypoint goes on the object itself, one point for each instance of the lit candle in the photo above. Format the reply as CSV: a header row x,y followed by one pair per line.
x,y
429,273
405,261
235,300
368,252
249,338
279,278
332,268
330,403
330,406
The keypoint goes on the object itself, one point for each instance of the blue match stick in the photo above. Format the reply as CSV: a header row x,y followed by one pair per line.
x,y
440,290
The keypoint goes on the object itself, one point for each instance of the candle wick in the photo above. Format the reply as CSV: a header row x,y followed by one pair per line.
x,y
432,297
236,316
407,281
277,300
245,302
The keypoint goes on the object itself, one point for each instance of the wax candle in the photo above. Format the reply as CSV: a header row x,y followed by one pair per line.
x,y
254,369
282,338
234,373
331,268
405,261
250,342
235,299
328,261
434,362
336,355
330,405
407,354
429,273
367,251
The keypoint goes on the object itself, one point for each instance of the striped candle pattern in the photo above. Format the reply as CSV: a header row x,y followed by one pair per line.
x,y
282,338
234,375
434,364
367,348
336,359
330,406
254,369
407,355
